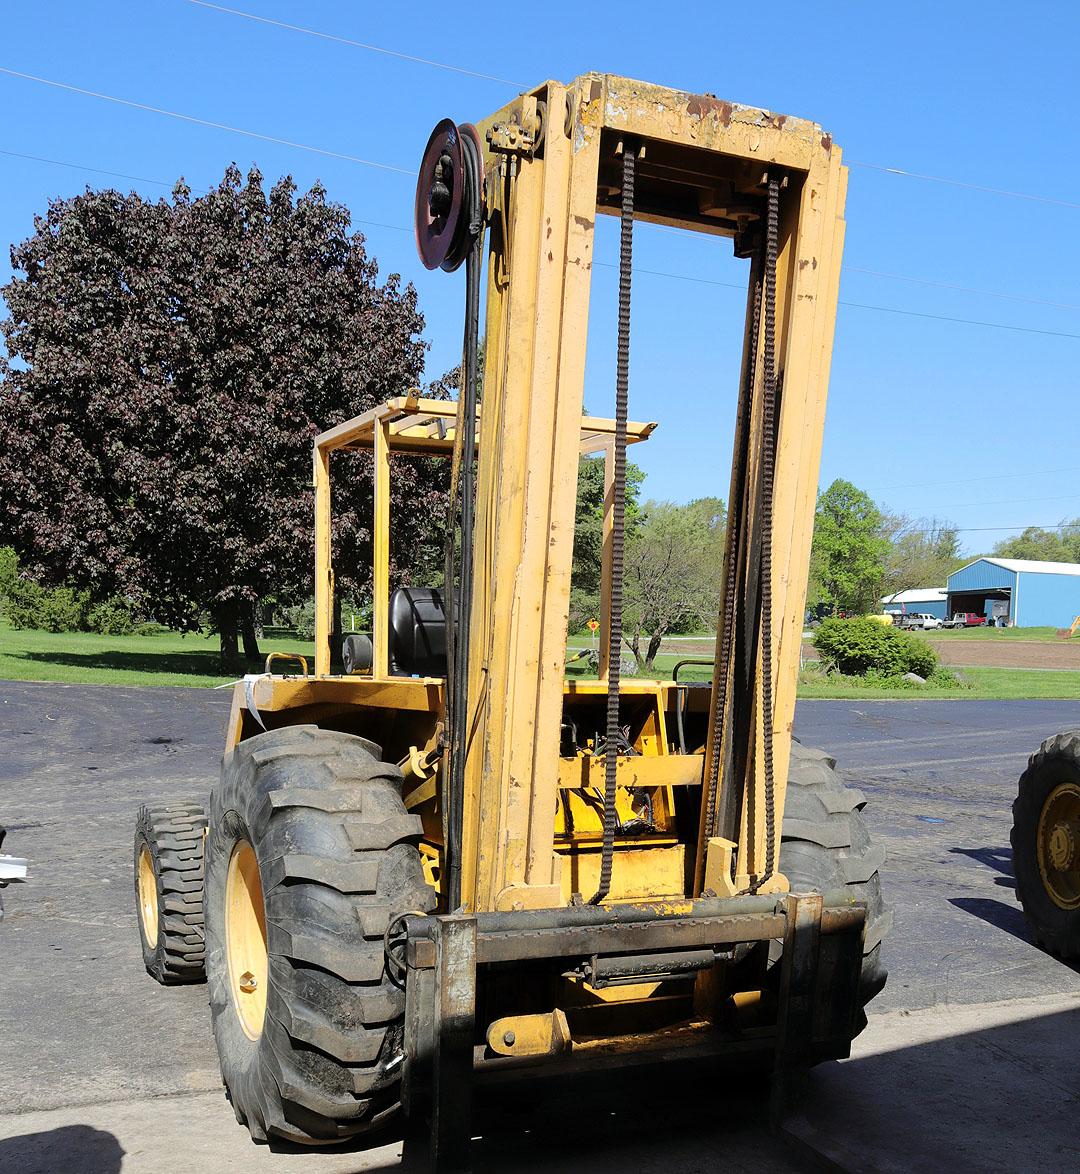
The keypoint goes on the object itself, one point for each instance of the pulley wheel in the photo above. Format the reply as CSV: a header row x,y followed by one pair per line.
x,y
472,199
440,187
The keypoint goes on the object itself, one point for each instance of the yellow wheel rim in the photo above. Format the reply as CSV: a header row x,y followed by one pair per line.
x,y
148,907
245,938
1059,845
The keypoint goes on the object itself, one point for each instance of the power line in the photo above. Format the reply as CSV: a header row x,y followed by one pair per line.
x,y
969,480
236,130
403,171
990,293
962,321
83,167
968,505
988,529
899,171
295,28
865,306
960,183
604,264
166,184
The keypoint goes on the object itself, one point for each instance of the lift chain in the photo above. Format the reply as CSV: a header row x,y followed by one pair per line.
x,y
613,731
768,470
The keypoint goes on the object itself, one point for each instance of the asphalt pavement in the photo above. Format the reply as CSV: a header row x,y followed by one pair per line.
x,y
103,1070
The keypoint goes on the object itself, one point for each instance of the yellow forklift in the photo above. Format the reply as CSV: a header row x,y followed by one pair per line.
x,y
447,861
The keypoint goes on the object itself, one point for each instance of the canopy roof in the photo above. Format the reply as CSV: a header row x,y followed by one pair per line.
x,y
424,426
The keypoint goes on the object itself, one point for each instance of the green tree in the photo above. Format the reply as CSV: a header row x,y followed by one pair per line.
x,y
673,564
923,552
589,535
1055,546
155,435
9,572
847,564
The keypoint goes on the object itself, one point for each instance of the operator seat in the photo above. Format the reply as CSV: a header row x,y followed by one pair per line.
x,y
417,632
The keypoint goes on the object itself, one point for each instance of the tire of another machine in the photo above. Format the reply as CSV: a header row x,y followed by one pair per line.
x,y
337,859
826,847
169,840
1056,762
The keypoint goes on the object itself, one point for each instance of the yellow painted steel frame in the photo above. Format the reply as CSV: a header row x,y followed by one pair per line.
x,y
410,424
551,165
414,425
543,205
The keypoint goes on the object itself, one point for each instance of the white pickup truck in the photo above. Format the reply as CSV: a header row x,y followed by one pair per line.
x,y
919,619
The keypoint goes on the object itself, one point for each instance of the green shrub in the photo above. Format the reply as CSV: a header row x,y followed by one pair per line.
x,y
9,572
584,606
112,617
860,647
57,609
301,619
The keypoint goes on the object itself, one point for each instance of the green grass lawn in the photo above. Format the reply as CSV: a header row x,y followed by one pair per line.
x,y
165,658
979,684
168,658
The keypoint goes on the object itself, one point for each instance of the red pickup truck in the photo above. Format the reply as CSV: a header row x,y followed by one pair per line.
x,y
965,619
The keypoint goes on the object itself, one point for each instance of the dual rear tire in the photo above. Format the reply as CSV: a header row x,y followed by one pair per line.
x,y
169,890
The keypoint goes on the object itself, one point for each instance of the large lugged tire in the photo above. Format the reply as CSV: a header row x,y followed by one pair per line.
x,y
1046,844
169,890
337,858
826,847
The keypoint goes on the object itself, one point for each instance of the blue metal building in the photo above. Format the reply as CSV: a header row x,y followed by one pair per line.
x,y
1026,593
931,601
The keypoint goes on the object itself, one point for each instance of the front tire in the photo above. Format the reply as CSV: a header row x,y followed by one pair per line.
x,y
1046,844
310,847
826,847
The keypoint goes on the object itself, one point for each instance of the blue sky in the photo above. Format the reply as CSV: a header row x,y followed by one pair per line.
x,y
933,417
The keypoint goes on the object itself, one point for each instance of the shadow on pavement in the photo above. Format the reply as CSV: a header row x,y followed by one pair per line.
x,y
654,1119
1010,918
999,859
74,1149
648,1121
1002,1097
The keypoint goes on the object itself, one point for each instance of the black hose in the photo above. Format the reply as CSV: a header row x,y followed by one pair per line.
x,y
459,602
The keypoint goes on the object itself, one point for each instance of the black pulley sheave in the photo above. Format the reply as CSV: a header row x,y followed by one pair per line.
x,y
449,195
449,230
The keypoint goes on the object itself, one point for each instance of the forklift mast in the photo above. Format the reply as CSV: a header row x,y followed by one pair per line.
x,y
552,160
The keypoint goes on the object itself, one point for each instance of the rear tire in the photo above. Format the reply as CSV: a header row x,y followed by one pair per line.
x,y
337,860
1054,769
826,847
169,840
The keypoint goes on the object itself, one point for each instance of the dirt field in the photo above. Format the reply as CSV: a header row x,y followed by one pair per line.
x,y
1009,654
953,650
